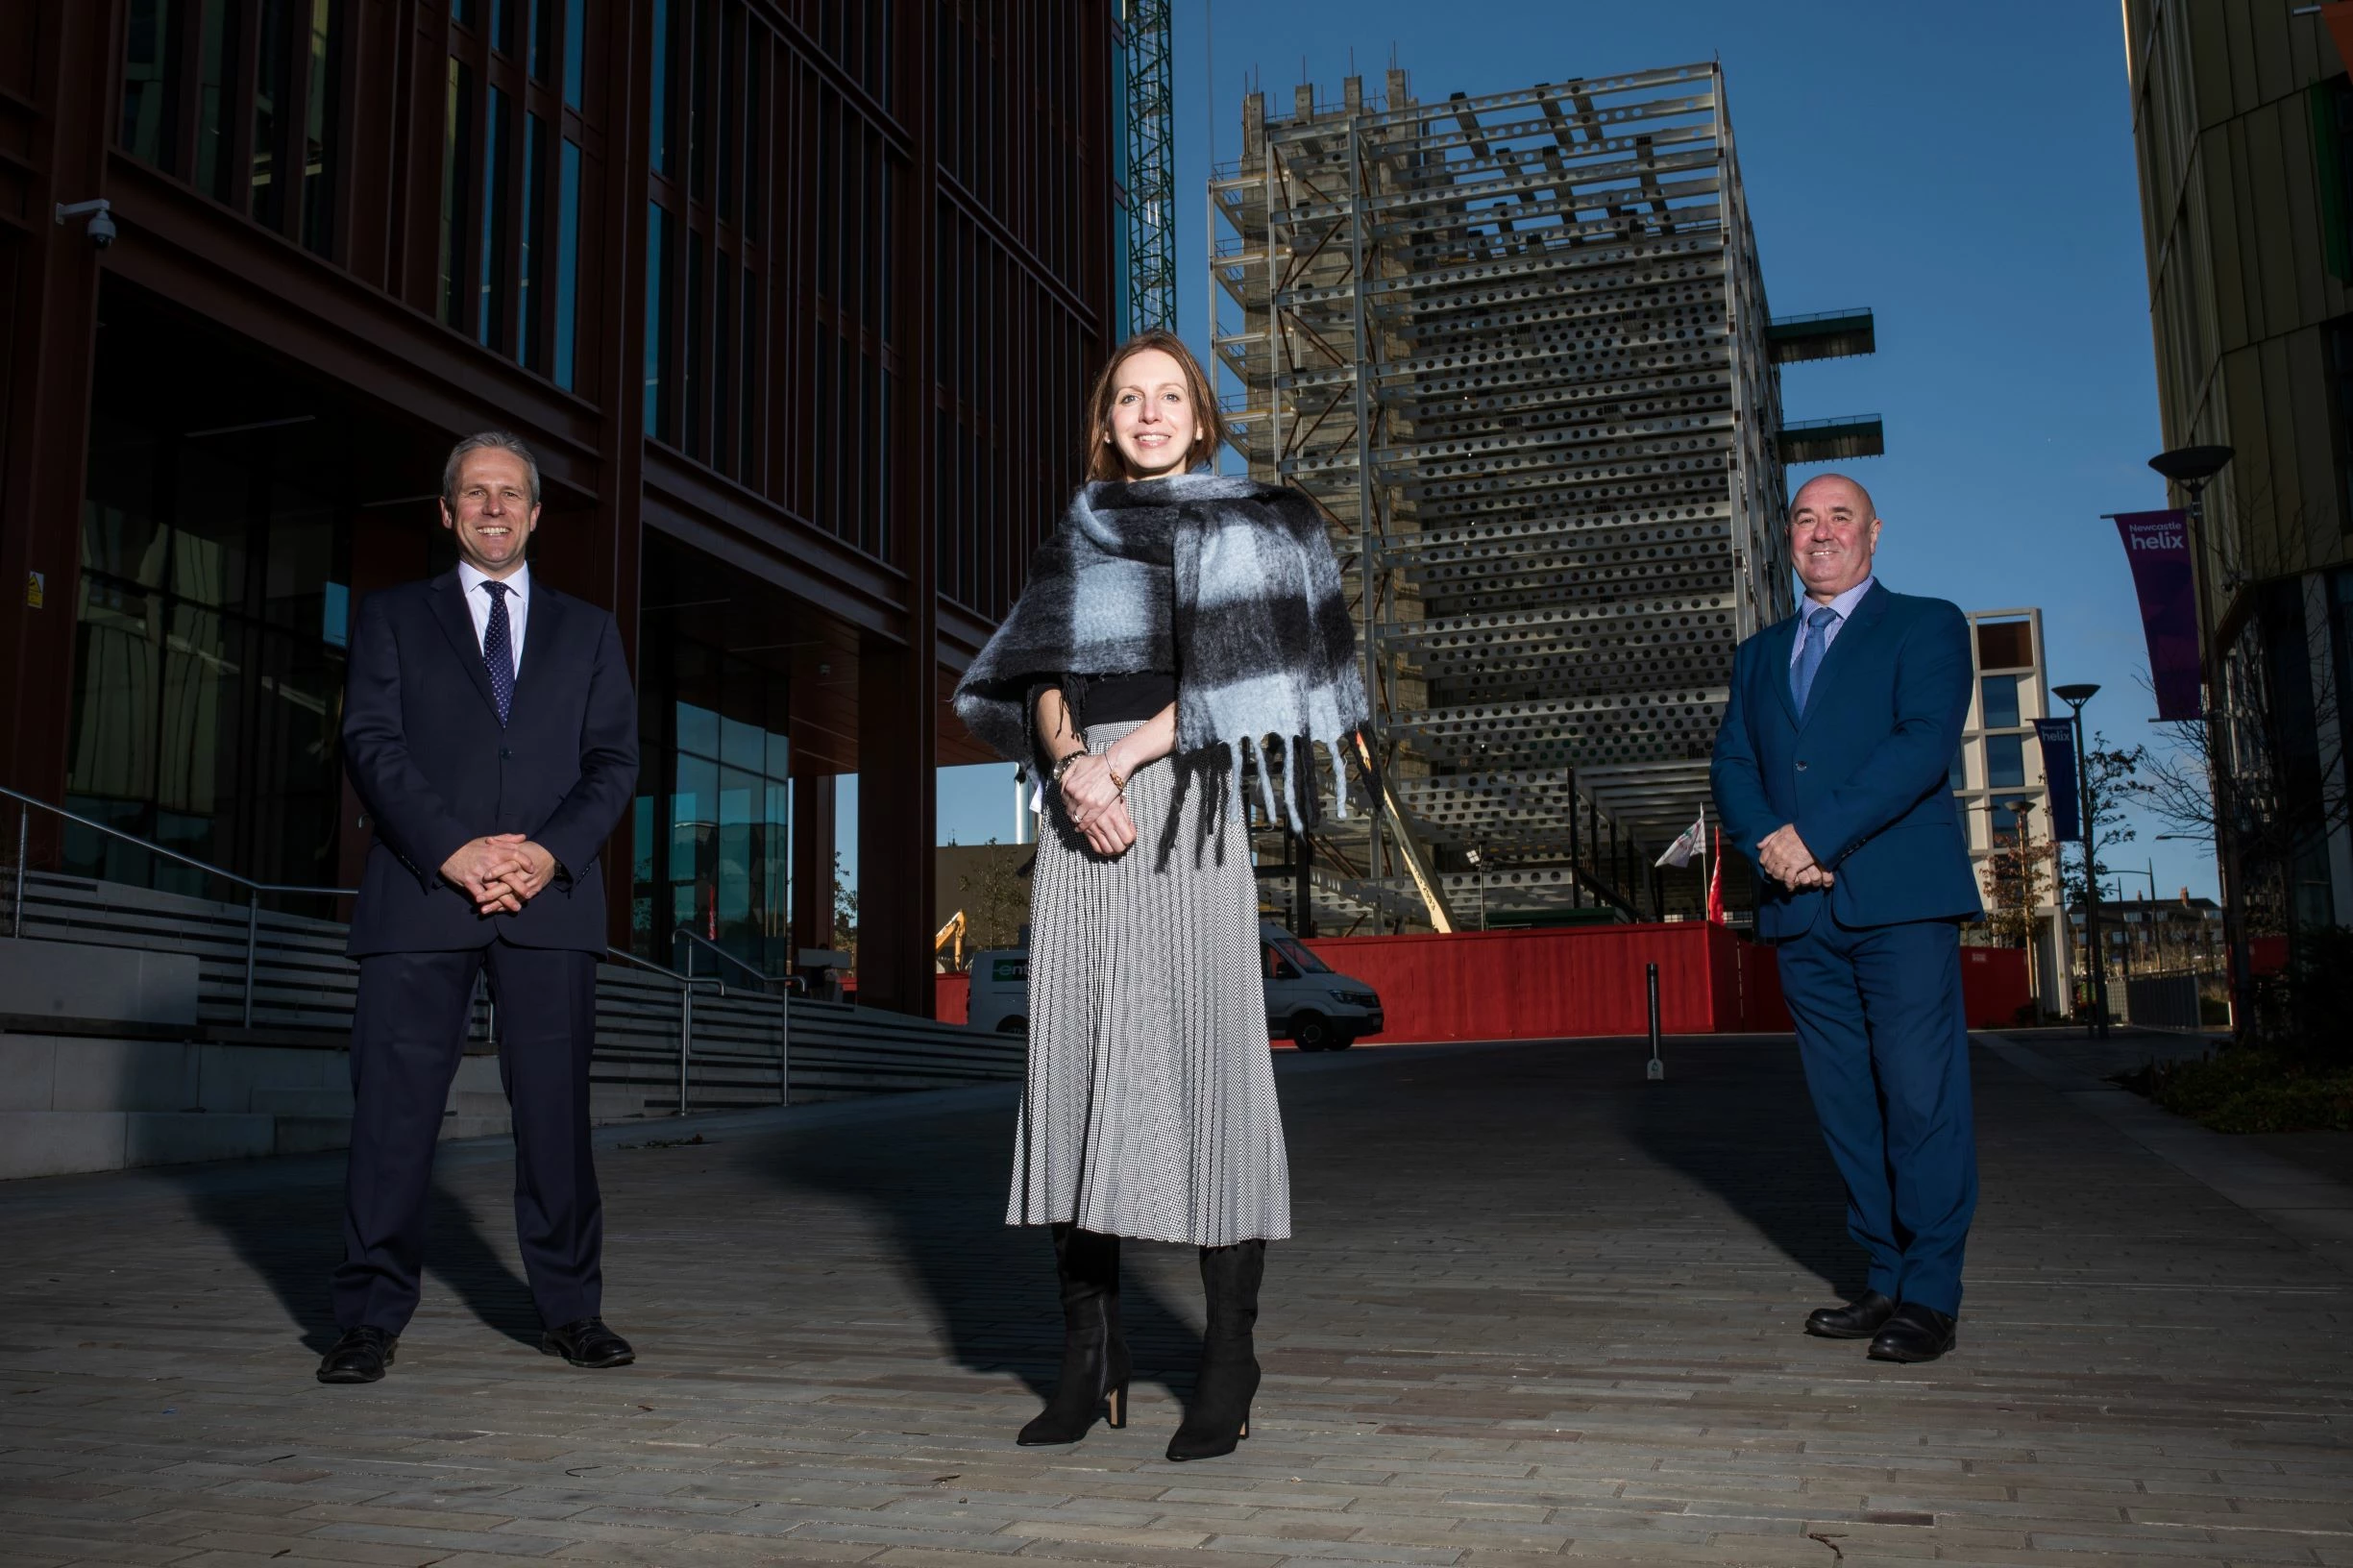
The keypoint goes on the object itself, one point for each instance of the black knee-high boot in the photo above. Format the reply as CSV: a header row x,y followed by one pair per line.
x,y
1094,1364
1219,1417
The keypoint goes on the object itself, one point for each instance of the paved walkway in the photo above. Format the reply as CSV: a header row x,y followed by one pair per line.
x,y
1538,1310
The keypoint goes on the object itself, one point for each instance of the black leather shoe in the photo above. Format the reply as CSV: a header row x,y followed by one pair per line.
x,y
1915,1334
361,1356
587,1343
1858,1319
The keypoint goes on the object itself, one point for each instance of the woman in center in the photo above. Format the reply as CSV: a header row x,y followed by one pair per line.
x,y
1178,620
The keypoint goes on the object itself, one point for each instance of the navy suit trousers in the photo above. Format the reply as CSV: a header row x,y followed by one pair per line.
x,y
1886,1051
409,1031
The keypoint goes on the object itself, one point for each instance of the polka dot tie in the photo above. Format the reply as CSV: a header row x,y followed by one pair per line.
x,y
499,649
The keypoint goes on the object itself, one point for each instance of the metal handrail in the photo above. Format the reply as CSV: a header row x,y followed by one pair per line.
x,y
767,981
767,984
252,917
253,889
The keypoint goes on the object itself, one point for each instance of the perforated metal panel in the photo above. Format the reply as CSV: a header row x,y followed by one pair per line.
x,y
1515,347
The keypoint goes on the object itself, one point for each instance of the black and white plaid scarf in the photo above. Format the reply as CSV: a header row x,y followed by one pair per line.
x,y
1229,582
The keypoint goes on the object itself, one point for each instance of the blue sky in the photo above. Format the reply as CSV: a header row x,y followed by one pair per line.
x,y
1967,174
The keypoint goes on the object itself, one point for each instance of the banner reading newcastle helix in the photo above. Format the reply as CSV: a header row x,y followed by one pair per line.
x,y
2058,738
2157,545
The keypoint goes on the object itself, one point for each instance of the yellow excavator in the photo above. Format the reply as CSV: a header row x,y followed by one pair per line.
x,y
952,932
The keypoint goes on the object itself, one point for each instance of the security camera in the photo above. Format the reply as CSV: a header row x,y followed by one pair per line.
x,y
100,213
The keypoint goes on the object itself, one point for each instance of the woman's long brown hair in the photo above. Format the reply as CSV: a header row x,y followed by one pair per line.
x,y
1103,457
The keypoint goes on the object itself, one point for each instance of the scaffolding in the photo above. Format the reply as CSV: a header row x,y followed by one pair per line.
x,y
1147,165
1517,349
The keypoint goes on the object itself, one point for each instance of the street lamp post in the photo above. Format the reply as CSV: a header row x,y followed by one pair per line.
x,y
2076,697
2148,914
2017,809
2193,467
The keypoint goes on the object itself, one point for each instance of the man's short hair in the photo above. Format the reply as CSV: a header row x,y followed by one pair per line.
x,y
486,441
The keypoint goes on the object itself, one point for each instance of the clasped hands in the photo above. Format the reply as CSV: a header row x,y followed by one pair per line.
x,y
1785,858
1096,806
501,872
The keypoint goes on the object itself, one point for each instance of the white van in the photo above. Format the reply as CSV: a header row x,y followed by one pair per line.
x,y
1307,1003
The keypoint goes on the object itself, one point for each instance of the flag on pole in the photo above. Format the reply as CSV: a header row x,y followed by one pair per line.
x,y
1686,845
1715,884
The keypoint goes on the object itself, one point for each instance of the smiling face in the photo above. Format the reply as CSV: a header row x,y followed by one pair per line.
x,y
1833,530
1153,421
492,513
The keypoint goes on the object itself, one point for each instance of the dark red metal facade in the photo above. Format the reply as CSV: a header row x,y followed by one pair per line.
x,y
802,294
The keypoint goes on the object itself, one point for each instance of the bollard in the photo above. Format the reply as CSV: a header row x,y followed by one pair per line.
x,y
1657,1068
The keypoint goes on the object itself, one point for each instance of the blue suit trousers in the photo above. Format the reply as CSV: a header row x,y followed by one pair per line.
x,y
1882,1033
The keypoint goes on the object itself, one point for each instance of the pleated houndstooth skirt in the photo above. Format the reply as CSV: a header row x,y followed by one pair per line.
x,y
1150,1109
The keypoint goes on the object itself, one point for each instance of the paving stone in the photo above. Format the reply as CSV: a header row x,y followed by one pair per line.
x,y
1538,1311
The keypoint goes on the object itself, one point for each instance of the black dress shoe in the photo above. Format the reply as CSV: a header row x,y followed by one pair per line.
x,y
361,1356
587,1343
1915,1334
1858,1319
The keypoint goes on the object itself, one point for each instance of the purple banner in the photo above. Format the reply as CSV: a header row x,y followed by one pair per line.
x,y
2058,738
2157,545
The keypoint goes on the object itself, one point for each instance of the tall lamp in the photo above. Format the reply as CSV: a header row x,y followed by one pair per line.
x,y
2018,810
2076,697
2193,467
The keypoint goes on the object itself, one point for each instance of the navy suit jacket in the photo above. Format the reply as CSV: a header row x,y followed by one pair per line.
x,y
435,769
1865,774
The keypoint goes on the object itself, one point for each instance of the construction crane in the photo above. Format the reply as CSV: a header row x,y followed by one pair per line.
x,y
1148,165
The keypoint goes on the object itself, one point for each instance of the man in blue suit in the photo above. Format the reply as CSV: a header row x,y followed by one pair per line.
x,y
1833,773
491,733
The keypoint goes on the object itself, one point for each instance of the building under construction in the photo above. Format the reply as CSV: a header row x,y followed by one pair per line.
x,y
1518,349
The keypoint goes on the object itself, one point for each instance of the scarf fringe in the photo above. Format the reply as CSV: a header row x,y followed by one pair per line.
x,y
1299,765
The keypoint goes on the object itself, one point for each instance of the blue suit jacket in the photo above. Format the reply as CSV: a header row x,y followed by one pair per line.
x,y
1866,773
434,769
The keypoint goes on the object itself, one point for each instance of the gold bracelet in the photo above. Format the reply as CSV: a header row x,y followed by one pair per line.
x,y
1116,781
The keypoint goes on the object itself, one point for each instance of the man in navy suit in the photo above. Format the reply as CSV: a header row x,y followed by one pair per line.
x,y
492,734
1833,773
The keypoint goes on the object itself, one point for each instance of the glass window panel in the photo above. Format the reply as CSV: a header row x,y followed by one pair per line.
x,y
304,541
699,62
664,56
567,262
117,689
2005,762
121,534
749,404
1998,702
214,511
322,119
273,86
742,744
575,52
697,339
755,165
2005,645
213,107
151,76
503,26
641,840
730,119
742,799
490,310
197,736
779,752
657,312
722,372
457,131
698,730
532,247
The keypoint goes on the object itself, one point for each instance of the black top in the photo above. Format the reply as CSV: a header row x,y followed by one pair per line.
x,y
1119,700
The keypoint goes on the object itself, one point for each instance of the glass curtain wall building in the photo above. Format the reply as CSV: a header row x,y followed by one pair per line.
x,y
800,357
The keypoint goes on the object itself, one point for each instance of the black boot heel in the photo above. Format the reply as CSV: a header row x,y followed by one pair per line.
x,y
1094,1360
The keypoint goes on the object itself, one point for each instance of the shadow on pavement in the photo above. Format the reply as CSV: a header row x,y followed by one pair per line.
x,y
938,1187
1732,1117
291,1236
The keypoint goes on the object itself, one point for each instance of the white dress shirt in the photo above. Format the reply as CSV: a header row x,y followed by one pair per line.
x,y
518,606
1844,605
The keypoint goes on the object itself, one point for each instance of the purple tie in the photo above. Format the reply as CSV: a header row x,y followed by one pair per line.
x,y
499,649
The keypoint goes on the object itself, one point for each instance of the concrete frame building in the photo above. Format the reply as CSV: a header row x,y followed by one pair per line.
x,y
1999,765
1517,346
2243,120
795,302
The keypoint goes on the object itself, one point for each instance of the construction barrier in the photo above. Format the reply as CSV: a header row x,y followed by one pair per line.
x,y
1579,981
